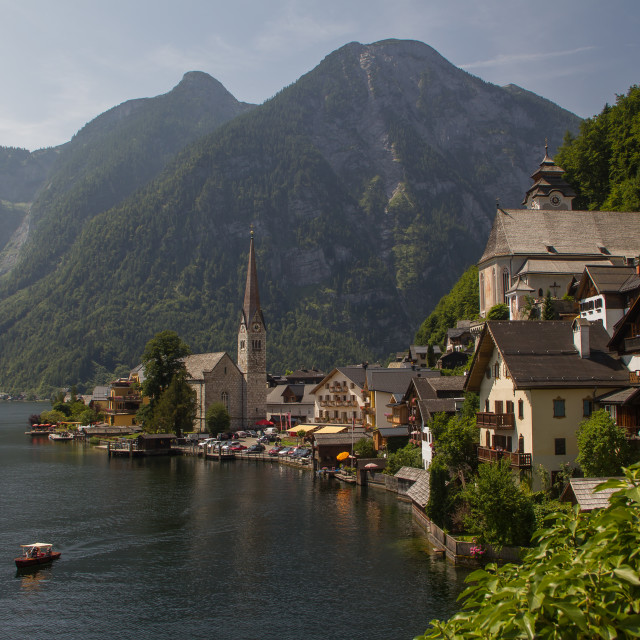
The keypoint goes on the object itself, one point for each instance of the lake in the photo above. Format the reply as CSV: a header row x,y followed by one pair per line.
x,y
179,547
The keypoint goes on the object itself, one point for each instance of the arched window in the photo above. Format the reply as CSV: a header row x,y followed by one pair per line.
x,y
506,283
225,400
482,292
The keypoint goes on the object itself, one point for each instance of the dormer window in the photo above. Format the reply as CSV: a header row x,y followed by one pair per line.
x,y
604,250
551,248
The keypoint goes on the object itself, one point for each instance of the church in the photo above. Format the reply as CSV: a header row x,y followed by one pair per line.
x,y
240,386
547,244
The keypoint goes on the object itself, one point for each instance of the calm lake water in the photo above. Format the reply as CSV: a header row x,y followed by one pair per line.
x,y
184,548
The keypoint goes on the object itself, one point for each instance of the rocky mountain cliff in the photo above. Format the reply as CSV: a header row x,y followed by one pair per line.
x,y
371,183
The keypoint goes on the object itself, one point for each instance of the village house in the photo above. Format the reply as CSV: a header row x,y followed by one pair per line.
x,y
624,404
339,398
291,404
423,400
384,389
537,381
546,245
124,399
606,293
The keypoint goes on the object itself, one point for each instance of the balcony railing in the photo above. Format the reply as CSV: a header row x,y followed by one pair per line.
x,y
632,344
516,459
489,420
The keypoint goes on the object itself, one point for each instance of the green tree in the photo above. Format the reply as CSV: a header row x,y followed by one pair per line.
x,y
581,581
499,311
461,303
407,456
162,360
52,417
365,448
548,312
176,408
217,419
602,162
501,511
602,446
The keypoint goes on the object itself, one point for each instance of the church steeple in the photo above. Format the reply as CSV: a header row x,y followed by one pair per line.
x,y
252,346
251,305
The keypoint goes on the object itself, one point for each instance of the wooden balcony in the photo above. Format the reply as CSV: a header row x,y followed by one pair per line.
x,y
634,378
516,459
487,420
632,344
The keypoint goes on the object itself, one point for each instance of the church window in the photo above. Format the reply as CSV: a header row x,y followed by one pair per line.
x,y
496,370
506,278
482,292
242,345
225,400
520,409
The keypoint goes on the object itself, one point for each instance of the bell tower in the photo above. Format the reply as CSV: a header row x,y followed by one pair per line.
x,y
252,347
549,189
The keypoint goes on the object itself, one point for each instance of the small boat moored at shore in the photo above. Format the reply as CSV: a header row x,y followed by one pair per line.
x,y
61,436
35,554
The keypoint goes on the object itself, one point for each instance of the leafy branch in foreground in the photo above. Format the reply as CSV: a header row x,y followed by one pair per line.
x,y
580,582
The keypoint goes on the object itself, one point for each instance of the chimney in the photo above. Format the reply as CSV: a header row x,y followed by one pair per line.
x,y
581,328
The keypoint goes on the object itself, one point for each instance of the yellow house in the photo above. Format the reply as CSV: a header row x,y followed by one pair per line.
x,y
537,382
123,401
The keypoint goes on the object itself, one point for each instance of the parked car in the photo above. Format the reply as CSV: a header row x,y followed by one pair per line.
x,y
285,451
237,447
256,448
204,443
274,451
241,434
252,433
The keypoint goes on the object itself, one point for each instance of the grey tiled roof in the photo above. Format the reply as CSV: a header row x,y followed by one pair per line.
x,y
586,497
542,354
409,473
570,233
198,363
419,491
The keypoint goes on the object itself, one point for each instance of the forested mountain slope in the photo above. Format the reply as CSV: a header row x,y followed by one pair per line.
x,y
371,184
108,160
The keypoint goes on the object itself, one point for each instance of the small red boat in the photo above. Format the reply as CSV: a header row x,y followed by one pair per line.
x,y
35,554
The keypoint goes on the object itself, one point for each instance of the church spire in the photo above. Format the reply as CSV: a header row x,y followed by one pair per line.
x,y
251,304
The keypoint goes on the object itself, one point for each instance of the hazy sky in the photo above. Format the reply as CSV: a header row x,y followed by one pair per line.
x,y
64,62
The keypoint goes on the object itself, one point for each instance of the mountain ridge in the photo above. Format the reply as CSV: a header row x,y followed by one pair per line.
x,y
371,185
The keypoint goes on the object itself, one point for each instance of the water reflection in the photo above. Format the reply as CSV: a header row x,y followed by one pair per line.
x,y
32,579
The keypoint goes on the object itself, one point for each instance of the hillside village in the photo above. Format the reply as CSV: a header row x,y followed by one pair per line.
x,y
535,380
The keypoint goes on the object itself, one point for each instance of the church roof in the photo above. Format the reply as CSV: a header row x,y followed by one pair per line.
x,y
543,232
199,363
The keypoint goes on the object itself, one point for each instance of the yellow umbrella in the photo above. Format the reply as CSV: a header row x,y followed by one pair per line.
x,y
343,455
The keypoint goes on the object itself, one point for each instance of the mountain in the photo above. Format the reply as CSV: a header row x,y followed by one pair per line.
x,y
108,160
371,184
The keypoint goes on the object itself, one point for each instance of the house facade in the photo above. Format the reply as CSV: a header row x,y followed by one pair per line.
x,y
537,381
606,293
339,398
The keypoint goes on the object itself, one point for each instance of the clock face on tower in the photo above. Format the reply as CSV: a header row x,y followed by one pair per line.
x,y
256,327
555,200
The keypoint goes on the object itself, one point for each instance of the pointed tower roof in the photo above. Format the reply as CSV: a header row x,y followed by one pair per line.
x,y
251,304
548,177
